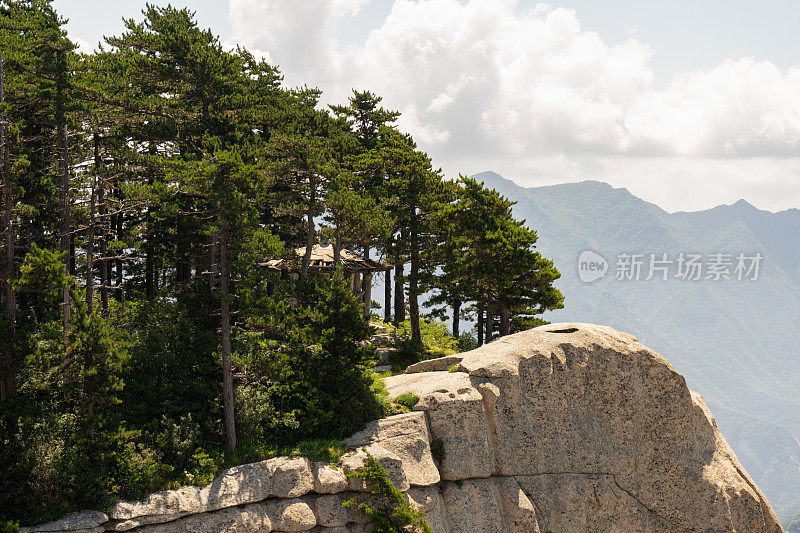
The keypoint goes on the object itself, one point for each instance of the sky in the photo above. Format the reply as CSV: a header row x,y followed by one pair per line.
x,y
686,104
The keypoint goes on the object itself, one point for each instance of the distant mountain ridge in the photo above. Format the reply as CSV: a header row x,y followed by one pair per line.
x,y
735,341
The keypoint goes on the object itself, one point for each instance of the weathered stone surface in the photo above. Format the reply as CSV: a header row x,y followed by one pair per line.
x,y
248,518
407,437
127,525
435,365
80,521
519,512
330,512
275,515
456,417
473,506
578,398
291,515
281,477
590,502
429,500
391,462
327,479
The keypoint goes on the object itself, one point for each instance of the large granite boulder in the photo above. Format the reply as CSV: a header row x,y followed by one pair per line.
x,y
594,406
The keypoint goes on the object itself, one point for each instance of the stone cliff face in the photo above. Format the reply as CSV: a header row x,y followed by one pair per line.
x,y
564,428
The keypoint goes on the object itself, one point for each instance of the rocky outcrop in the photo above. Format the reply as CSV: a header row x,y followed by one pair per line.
x,y
564,428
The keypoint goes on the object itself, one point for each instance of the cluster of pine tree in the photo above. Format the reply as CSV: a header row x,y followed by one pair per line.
x,y
143,188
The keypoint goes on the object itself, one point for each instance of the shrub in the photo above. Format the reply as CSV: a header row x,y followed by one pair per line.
x,y
467,341
8,526
405,353
436,337
407,400
310,379
395,515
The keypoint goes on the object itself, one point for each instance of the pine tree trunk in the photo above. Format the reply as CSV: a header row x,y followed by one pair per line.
x,y
149,260
149,274
504,319
72,263
479,325
119,224
183,268
456,318
310,229
399,296
65,241
488,324
367,295
337,253
90,251
225,330
105,271
387,297
213,266
62,150
413,292
8,385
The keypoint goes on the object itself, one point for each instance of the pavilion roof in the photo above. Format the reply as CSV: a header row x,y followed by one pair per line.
x,y
322,260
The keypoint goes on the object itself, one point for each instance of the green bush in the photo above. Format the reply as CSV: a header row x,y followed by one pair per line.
x,y
395,514
467,341
436,337
8,526
404,354
311,379
407,400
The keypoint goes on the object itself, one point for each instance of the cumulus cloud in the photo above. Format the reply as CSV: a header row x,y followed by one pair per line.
x,y
483,82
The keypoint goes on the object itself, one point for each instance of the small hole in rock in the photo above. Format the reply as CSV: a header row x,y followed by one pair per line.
x,y
568,330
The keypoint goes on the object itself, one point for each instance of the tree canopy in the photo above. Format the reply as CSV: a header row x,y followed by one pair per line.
x,y
144,186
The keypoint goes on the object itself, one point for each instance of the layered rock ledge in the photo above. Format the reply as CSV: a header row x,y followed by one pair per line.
x,y
563,428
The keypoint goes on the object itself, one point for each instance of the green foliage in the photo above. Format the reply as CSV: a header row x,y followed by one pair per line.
x,y
8,526
407,400
436,338
203,168
405,353
319,449
488,257
453,368
436,342
467,341
316,381
396,515
437,449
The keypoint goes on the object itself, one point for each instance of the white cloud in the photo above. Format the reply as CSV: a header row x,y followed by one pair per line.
x,y
483,82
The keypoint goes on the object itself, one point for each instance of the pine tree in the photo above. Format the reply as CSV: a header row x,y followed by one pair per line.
x,y
396,515
488,257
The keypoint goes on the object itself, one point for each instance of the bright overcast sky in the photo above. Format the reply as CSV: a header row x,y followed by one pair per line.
x,y
688,104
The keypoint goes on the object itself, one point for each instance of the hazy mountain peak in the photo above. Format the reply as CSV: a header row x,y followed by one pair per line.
x,y
744,204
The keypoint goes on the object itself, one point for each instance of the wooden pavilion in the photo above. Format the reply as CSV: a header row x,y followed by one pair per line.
x,y
358,268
